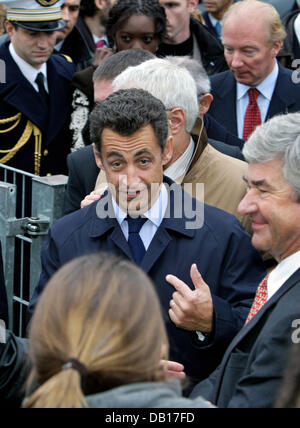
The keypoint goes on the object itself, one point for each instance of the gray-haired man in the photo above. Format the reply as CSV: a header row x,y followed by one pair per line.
x,y
253,366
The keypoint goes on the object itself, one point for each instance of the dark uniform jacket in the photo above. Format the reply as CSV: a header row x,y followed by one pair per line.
x,y
28,126
221,249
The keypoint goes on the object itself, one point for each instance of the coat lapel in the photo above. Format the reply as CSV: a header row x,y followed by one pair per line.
x,y
283,97
59,100
20,94
226,91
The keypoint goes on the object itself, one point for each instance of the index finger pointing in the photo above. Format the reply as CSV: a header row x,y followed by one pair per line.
x,y
179,285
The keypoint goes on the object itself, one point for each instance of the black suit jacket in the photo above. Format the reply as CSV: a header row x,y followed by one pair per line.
x,y
253,366
3,297
83,173
286,98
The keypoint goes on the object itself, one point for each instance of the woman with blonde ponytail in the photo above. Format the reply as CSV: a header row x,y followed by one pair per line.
x,y
97,338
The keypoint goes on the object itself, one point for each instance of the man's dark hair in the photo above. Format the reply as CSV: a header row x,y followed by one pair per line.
x,y
114,65
125,112
87,8
124,9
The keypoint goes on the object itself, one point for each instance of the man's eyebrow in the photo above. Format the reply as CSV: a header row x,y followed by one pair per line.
x,y
142,152
114,154
257,183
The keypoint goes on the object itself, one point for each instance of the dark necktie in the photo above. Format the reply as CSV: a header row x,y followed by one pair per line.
x,y
134,240
42,91
253,115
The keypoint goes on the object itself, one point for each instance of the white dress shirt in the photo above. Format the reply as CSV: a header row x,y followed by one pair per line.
x,y
29,72
297,27
266,89
283,271
179,168
154,215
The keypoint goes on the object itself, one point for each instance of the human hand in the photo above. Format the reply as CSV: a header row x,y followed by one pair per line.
x,y
191,309
173,369
92,197
101,54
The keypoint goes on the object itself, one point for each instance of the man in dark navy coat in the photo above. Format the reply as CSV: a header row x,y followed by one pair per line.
x,y
130,132
252,61
35,99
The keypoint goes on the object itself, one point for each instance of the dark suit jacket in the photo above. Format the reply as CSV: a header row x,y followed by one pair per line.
x,y
221,249
18,96
3,297
252,369
218,132
209,24
286,98
83,173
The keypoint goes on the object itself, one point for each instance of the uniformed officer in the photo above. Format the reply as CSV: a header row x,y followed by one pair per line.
x,y
35,100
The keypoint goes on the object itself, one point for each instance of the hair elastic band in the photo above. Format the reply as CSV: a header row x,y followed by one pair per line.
x,y
73,363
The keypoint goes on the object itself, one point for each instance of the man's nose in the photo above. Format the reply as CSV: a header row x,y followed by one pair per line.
x,y
236,60
43,40
248,204
65,13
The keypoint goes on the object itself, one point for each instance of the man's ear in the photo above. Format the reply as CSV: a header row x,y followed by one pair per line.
x,y
100,4
205,103
176,119
9,28
192,5
97,157
168,151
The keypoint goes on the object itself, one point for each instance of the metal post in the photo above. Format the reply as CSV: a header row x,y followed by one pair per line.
x,y
7,213
48,195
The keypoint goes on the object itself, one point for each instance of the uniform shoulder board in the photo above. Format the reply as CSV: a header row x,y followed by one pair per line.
x,y
68,58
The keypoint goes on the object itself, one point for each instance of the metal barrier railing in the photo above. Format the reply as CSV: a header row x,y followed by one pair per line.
x,y
28,206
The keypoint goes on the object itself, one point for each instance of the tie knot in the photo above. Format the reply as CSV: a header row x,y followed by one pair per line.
x,y
100,44
135,224
40,79
253,95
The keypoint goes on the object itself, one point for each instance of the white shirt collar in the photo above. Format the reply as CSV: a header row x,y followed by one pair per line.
x,y
180,166
266,87
214,21
29,72
155,214
283,271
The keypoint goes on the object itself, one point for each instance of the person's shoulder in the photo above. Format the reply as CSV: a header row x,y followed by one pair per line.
x,y
225,160
64,228
82,154
220,77
64,64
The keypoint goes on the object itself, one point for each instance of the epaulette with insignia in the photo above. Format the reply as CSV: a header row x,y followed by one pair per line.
x,y
68,58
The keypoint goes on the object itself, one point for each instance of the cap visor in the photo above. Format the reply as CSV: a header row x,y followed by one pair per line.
x,y
48,26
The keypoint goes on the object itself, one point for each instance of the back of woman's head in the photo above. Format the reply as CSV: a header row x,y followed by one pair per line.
x,y
102,312
124,9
